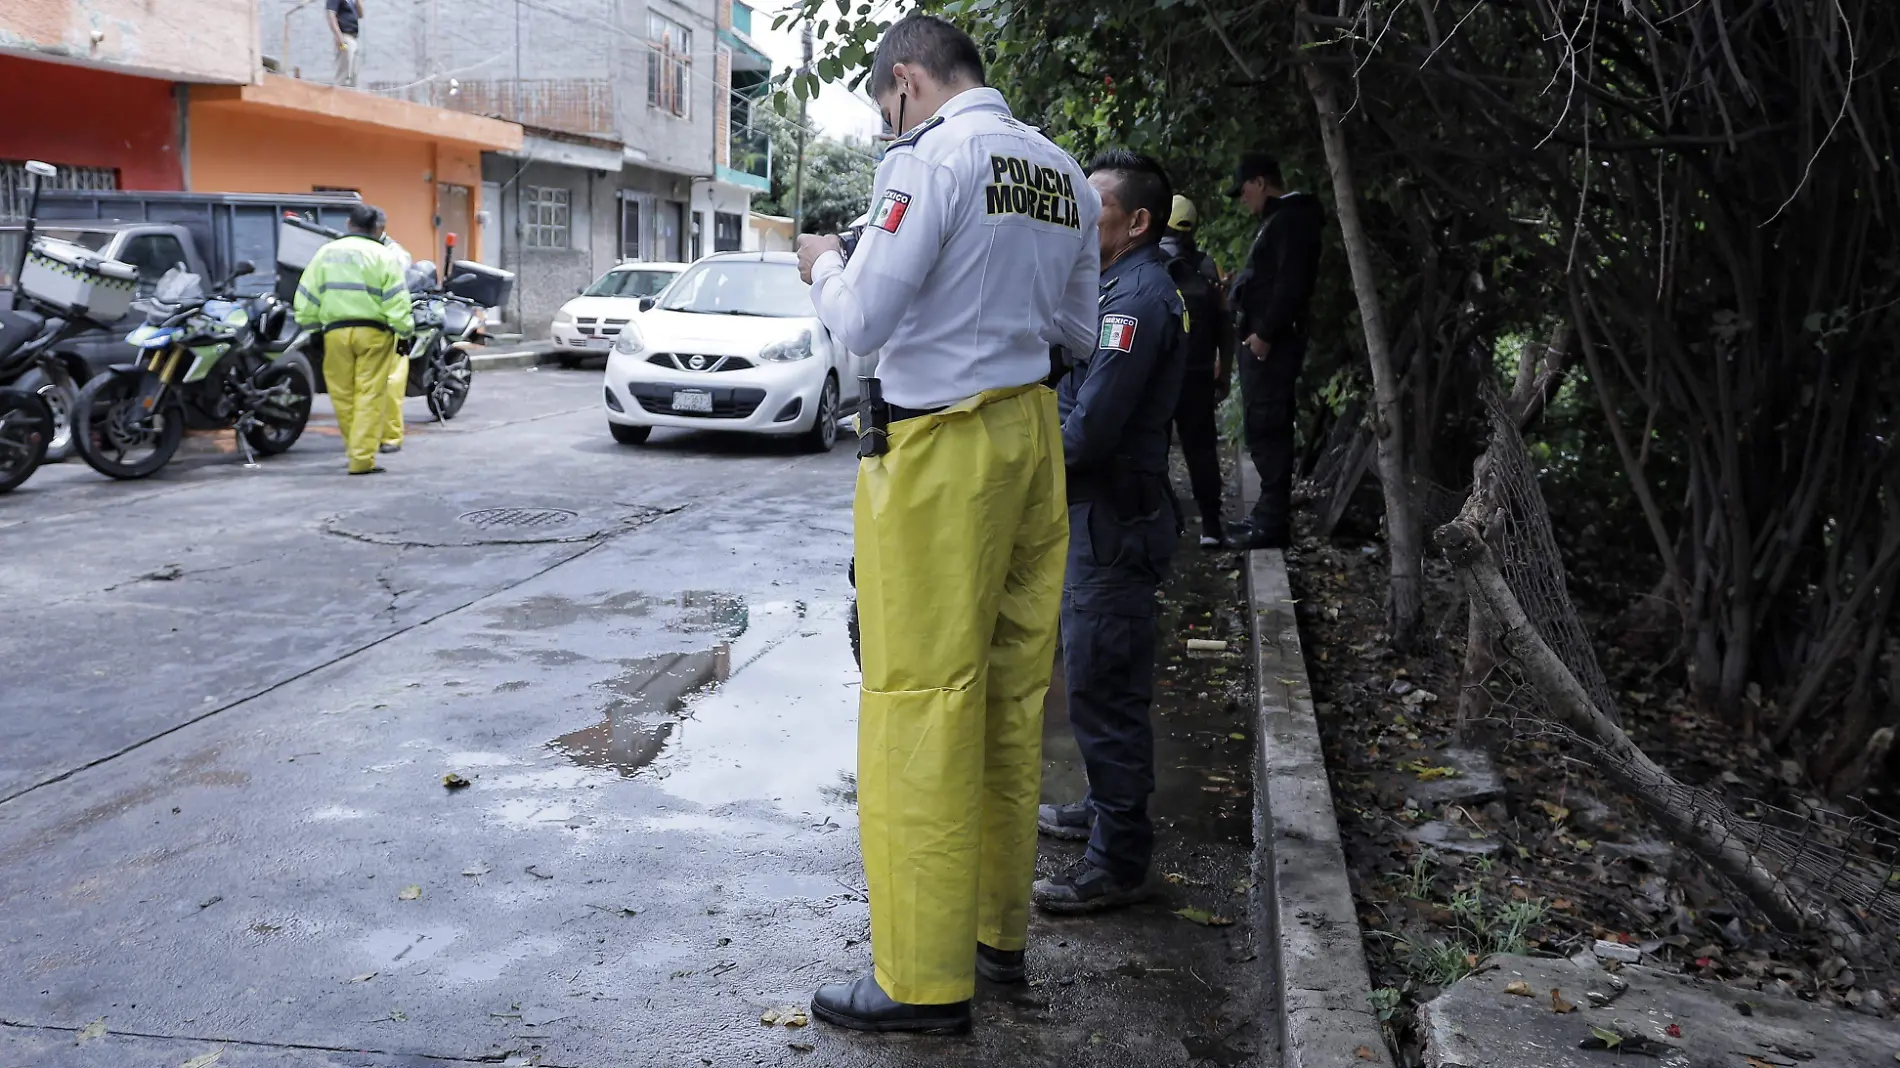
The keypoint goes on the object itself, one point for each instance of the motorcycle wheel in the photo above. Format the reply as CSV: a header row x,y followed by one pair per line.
x,y
280,425
117,439
25,428
448,387
61,397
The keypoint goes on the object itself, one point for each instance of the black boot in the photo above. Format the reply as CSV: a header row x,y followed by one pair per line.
x,y
1086,888
1251,537
1072,821
1000,965
864,1006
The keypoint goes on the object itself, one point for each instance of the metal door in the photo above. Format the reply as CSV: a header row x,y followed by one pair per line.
x,y
453,215
631,212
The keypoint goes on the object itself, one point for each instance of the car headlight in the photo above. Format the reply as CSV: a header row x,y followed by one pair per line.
x,y
797,348
563,317
629,341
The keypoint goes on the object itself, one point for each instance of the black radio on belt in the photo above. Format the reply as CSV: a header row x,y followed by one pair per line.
x,y
874,418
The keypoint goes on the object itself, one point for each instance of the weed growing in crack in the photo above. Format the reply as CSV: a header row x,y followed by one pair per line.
x,y
1417,880
1482,930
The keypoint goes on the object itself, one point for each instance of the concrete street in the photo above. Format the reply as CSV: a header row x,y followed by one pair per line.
x,y
229,698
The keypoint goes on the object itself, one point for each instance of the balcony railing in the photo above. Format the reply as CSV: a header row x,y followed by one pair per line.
x,y
576,105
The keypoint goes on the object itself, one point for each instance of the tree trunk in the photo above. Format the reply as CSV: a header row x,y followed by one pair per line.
x,y
1405,597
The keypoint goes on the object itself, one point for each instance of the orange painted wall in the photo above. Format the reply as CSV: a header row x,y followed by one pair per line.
x,y
236,148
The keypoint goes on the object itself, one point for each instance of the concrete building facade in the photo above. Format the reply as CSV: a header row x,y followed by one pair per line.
x,y
632,110
127,94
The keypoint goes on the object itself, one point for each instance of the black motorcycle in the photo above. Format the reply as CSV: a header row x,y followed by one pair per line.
x,y
204,363
447,327
28,424
37,393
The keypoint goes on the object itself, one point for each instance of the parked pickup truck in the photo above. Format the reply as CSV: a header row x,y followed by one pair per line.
x,y
206,233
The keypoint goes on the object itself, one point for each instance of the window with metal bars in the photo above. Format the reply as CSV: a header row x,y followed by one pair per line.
x,y
544,218
14,185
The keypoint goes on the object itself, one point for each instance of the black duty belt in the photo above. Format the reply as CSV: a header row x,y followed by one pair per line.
x,y
898,412
875,416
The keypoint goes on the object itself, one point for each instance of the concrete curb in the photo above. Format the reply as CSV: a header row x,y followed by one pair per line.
x,y
1302,893
501,361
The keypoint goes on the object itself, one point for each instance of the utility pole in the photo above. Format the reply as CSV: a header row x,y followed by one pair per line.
x,y
798,174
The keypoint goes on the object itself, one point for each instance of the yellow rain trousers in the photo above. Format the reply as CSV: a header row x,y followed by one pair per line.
x,y
356,362
398,385
961,536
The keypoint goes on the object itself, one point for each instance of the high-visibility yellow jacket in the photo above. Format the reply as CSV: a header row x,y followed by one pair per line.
x,y
354,281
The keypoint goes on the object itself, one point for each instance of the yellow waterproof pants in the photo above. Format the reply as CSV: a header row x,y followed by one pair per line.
x,y
961,535
398,385
356,363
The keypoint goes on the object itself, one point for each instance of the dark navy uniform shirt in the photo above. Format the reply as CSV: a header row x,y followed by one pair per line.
x,y
1116,404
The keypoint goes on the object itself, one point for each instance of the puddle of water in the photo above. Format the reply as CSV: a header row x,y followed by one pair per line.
x,y
769,715
553,610
693,611
635,731
479,759
489,966
392,948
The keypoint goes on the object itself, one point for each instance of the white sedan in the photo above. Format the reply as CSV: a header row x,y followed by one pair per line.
x,y
587,325
732,344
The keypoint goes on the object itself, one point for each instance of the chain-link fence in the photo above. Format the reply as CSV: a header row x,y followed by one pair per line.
x,y
1838,870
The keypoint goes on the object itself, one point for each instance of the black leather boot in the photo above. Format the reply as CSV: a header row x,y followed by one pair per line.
x,y
864,1006
1000,965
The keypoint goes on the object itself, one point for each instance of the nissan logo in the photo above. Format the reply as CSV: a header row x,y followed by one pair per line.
x,y
696,362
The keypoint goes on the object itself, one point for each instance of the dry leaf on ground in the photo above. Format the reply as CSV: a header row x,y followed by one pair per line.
x,y
1204,918
789,1015
409,893
1557,1002
95,1029
1520,988
454,781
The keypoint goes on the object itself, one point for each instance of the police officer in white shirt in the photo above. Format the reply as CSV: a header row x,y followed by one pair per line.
x,y
979,255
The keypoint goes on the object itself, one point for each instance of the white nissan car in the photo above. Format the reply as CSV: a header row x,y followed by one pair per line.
x,y
587,325
732,344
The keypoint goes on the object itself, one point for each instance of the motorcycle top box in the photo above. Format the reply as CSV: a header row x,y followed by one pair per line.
x,y
77,280
297,243
489,287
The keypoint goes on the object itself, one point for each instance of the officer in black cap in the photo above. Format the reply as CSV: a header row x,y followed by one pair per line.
x,y
1123,524
1269,300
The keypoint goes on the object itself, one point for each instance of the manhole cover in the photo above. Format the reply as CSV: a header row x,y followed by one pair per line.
x,y
518,518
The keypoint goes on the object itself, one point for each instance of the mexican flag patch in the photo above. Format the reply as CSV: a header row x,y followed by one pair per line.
x,y
1118,333
890,211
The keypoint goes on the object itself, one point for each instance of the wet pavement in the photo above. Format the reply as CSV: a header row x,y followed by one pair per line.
x,y
239,708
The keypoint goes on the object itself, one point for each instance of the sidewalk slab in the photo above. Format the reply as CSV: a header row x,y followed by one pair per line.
x,y
1477,1023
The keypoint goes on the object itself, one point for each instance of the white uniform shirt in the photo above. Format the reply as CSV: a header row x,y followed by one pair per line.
x,y
980,253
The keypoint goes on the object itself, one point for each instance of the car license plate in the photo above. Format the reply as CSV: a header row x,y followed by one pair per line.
x,y
692,400
600,342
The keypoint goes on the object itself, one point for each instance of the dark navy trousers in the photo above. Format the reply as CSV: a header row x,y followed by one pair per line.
x,y
1108,655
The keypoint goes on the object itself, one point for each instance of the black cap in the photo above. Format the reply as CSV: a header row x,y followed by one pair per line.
x,y
1254,165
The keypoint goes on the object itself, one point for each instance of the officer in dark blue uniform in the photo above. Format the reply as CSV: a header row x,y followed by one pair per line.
x,y
1116,406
